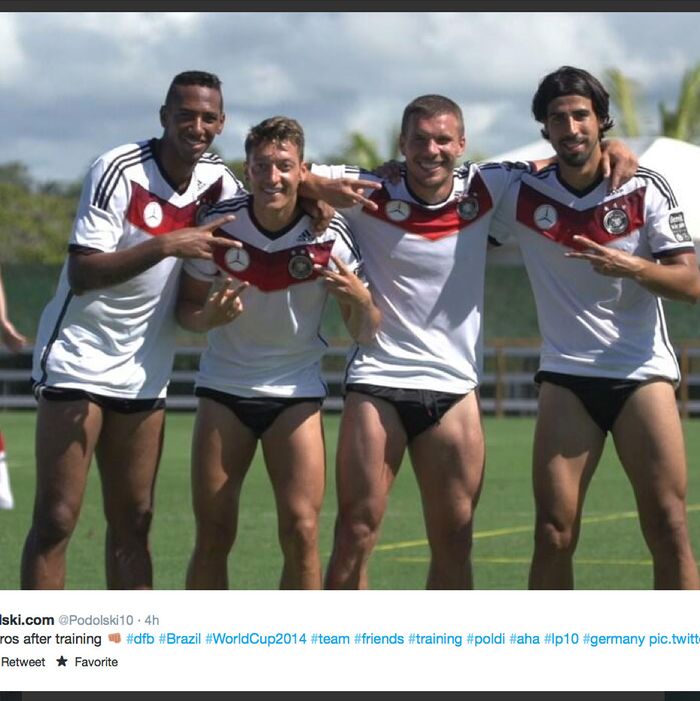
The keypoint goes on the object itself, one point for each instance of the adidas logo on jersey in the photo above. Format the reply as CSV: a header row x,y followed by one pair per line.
x,y
305,236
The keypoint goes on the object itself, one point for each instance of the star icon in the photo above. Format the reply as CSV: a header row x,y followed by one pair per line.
x,y
62,661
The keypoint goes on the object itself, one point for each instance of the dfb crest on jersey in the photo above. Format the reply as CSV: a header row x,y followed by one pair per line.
x,y
237,259
616,222
153,215
468,208
202,211
545,216
300,266
397,210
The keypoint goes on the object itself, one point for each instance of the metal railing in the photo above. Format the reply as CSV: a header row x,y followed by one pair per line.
x,y
507,382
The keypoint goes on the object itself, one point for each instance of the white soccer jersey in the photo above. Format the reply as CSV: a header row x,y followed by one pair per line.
x,y
425,266
274,347
119,341
591,324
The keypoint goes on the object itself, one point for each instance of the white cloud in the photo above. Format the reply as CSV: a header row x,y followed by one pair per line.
x,y
95,77
11,54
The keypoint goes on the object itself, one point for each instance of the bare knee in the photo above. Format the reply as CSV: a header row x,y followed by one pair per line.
x,y
131,524
299,535
215,537
452,537
554,539
667,531
357,531
54,525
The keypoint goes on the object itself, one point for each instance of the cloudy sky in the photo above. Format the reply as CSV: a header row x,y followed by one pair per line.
x,y
76,84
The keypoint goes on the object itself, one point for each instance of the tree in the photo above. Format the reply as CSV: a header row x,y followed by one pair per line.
x,y
35,220
623,94
684,122
360,150
681,122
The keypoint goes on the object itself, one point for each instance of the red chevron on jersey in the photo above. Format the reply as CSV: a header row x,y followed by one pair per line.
x,y
602,224
276,270
434,224
156,216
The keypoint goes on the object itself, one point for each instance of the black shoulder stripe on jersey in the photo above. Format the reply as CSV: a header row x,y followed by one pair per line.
x,y
53,337
545,172
355,170
213,159
507,165
660,183
340,226
228,206
239,184
105,187
462,173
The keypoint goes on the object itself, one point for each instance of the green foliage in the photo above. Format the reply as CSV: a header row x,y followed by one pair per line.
x,y
623,93
360,150
238,168
35,219
681,122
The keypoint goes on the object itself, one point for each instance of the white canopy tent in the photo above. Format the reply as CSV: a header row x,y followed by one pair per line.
x,y
677,161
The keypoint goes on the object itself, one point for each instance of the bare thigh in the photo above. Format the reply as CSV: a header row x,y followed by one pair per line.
x,y
649,440
66,436
448,460
295,457
222,451
371,445
128,453
567,448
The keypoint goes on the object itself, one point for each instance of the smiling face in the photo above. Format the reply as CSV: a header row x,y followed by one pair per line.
x,y
192,118
275,171
431,147
573,129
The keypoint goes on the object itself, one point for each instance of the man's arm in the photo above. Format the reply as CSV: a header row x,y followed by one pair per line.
x,y
360,314
619,163
12,338
338,192
677,277
201,306
92,269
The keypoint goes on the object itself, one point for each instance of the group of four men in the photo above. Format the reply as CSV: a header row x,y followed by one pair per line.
x,y
406,263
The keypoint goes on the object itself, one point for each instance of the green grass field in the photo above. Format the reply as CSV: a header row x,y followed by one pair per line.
x,y
611,554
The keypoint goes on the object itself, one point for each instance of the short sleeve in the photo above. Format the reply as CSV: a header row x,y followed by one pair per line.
x,y
665,225
99,222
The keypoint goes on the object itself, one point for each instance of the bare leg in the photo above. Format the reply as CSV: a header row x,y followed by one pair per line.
x,y
567,449
370,448
649,441
222,450
296,462
66,435
128,454
448,460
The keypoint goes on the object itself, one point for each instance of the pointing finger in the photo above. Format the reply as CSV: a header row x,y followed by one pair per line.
x,y
216,223
367,184
221,238
340,265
